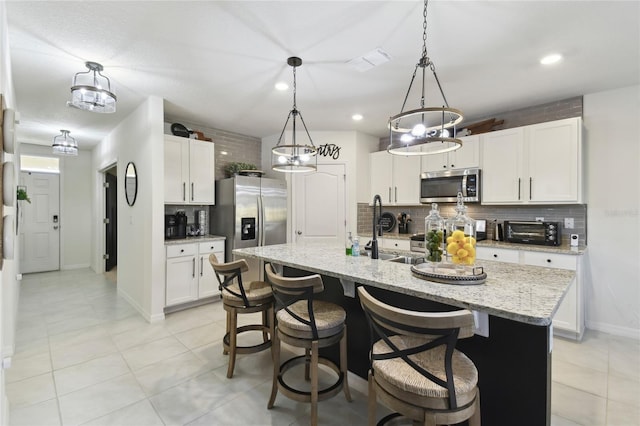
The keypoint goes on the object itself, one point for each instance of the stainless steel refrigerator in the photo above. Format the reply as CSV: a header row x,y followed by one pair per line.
x,y
250,212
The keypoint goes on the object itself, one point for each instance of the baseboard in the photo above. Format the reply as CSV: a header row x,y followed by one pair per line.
x,y
145,314
78,266
616,330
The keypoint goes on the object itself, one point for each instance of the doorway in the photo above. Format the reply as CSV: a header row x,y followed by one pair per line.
x,y
39,229
111,220
319,204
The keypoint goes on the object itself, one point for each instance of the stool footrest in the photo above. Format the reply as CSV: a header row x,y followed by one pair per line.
x,y
248,349
305,396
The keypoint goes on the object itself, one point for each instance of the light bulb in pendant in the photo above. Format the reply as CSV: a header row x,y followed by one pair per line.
x,y
418,130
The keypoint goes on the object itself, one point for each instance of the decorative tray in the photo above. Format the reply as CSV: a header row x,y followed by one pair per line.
x,y
253,173
447,274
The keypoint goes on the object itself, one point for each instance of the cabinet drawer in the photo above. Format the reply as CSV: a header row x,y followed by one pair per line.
x,y
560,261
391,243
211,246
498,254
181,250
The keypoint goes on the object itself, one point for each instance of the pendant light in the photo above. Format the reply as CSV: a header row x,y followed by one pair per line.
x,y
63,144
91,90
425,130
294,157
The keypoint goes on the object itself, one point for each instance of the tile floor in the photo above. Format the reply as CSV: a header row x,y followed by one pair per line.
x,y
85,357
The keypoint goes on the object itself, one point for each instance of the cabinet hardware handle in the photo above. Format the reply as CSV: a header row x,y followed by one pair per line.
x,y
519,185
495,255
453,166
193,269
181,250
530,181
549,260
444,166
201,266
191,191
184,191
389,194
396,190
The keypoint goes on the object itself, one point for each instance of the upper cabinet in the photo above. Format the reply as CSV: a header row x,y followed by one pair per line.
x,y
395,178
467,156
189,171
537,164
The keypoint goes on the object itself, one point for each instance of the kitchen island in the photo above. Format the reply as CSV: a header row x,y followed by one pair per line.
x,y
512,349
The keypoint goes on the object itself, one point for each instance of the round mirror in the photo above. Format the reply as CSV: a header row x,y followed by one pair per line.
x,y
131,183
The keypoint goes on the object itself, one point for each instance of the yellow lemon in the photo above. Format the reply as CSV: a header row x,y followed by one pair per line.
x,y
455,259
462,253
449,240
469,260
470,240
452,248
457,235
467,246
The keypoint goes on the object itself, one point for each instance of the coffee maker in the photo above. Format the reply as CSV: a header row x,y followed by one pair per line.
x,y
175,225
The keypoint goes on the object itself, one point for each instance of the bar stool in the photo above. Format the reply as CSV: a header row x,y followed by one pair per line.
x,y
310,324
415,368
240,298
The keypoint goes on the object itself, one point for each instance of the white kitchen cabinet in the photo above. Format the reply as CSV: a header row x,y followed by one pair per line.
x,y
395,178
189,275
569,318
537,164
207,282
467,156
189,171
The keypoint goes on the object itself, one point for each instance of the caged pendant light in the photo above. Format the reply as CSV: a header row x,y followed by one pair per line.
x,y
294,158
63,144
425,130
91,90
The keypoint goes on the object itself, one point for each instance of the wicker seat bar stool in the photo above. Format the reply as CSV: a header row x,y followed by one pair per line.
x,y
243,298
310,324
415,369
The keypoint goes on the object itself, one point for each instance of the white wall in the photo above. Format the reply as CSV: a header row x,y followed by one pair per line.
x,y
75,205
8,284
612,132
141,258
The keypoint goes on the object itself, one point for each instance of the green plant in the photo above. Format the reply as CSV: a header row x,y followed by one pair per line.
x,y
22,195
232,168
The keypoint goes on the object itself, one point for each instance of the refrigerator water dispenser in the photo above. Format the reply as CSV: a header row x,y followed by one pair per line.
x,y
248,228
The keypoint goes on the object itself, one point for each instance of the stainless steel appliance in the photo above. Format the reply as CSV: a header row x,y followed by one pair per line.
x,y
540,233
481,229
250,212
175,226
443,186
181,224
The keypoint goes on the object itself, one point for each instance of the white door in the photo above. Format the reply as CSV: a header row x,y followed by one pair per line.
x,y
319,202
40,223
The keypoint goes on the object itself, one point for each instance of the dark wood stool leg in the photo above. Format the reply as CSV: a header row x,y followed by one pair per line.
x,y
233,341
224,350
314,383
275,355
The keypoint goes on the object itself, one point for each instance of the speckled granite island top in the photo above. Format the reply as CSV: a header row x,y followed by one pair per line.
x,y
527,294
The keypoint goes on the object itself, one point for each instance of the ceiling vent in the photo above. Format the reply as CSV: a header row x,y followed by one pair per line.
x,y
369,60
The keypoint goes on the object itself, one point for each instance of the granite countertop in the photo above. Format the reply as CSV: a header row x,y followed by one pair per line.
x,y
523,293
198,239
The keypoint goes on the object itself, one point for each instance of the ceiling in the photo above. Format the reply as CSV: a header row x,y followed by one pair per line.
x,y
216,62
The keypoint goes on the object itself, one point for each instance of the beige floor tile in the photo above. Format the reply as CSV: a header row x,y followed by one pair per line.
x,y
138,414
89,373
578,406
98,400
577,377
624,358
149,353
66,356
625,390
596,358
203,335
42,414
22,368
31,391
560,421
162,375
212,355
139,335
620,414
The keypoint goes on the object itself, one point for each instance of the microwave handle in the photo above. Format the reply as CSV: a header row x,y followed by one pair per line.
x,y
464,185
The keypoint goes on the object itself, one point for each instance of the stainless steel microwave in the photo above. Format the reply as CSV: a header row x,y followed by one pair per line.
x,y
443,186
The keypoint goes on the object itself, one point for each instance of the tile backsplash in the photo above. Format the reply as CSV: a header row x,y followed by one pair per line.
x,y
550,213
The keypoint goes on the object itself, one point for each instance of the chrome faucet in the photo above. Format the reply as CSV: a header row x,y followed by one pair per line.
x,y
376,224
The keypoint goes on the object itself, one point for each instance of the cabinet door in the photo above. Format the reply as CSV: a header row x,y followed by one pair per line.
x,y
202,172
434,162
554,161
502,167
182,283
468,156
207,282
176,169
406,179
381,175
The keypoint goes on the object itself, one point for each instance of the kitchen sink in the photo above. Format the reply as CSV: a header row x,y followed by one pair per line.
x,y
391,257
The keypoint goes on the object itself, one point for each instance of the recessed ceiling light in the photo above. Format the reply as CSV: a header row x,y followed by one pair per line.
x,y
356,117
551,59
282,86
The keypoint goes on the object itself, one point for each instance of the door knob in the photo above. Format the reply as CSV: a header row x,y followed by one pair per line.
x,y
299,232
55,226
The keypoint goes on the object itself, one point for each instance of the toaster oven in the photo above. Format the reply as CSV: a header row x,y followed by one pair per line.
x,y
540,233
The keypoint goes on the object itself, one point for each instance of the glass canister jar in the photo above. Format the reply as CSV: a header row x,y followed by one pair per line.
x,y
434,227
461,238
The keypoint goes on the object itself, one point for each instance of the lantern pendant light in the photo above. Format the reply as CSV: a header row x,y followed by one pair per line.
x,y
91,90
63,144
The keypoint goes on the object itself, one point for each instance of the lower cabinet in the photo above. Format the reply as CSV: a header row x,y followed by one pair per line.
x,y
569,318
189,275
